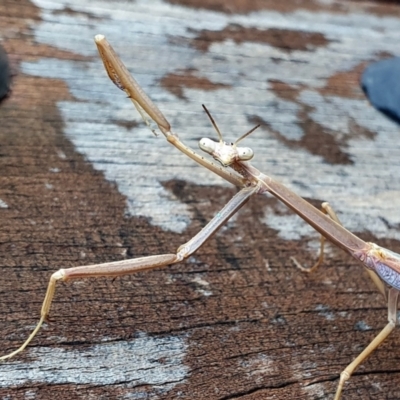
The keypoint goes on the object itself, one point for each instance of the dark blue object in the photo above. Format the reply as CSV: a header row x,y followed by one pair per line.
x,y
381,83
5,74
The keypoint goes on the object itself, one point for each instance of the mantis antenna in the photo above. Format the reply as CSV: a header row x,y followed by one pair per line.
x,y
219,132
214,123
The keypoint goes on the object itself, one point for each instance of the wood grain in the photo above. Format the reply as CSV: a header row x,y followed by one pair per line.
x,y
83,181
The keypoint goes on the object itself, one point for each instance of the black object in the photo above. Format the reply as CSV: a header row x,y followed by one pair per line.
x,y
381,83
5,74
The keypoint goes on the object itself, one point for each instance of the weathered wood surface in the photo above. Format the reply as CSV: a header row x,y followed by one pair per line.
x,y
83,181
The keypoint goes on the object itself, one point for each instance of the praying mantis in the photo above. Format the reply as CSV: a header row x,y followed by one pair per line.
x,y
233,165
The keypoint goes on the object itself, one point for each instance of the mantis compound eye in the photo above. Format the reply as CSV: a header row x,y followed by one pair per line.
x,y
245,153
207,145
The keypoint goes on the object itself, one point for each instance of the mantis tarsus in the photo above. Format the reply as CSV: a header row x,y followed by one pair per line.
x,y
382,265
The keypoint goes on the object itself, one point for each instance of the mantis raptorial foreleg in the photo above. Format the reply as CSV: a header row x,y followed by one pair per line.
x,y
121,77
126,267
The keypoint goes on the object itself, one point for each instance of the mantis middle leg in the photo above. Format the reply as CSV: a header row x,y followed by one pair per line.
x,y
125,267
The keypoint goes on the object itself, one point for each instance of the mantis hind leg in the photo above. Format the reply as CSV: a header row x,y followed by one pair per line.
x,y
393,295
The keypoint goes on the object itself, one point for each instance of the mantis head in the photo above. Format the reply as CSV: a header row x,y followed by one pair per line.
x,y
226,153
